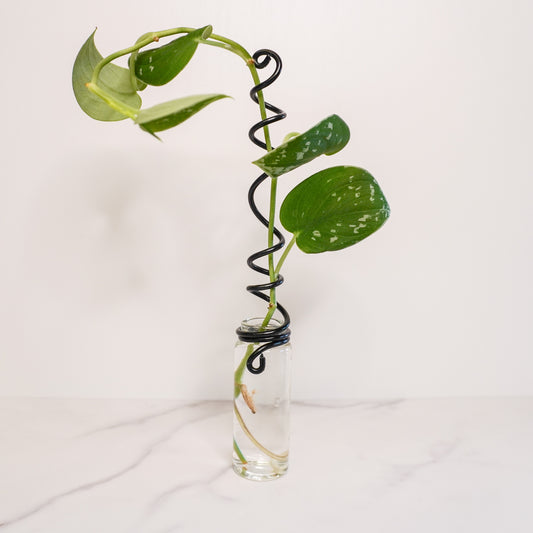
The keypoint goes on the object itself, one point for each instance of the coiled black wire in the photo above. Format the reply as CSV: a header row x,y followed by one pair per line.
x,y
280,335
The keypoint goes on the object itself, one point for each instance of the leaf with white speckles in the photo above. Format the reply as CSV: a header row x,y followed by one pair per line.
x,y
333,209
327,137
160,65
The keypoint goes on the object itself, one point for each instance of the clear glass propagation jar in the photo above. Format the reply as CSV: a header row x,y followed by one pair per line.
x,y
261,409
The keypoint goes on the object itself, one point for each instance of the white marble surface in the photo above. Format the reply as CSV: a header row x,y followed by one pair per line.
x,y
428,465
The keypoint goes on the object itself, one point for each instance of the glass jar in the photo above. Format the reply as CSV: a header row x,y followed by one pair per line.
x,y
261,405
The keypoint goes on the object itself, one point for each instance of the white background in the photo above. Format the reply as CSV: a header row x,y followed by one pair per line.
x,y
122,271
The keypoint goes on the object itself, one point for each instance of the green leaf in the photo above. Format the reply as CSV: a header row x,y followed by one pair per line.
x,y
333,209
164,116
327,137
113,79
160,65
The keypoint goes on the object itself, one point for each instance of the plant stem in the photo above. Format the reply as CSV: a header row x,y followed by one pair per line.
x,y
271,218
233,46
284,255
240,369
238,452
112,102
145,40
242,52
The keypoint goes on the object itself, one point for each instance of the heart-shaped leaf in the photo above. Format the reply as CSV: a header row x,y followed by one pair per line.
x,y
113,79
327,137
164,116
160,65
333,209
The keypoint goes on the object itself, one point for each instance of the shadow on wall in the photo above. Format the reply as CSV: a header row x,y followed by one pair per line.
x,y
104,231
99,230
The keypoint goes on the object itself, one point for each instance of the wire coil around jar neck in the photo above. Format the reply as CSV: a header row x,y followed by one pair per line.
x,y
267,338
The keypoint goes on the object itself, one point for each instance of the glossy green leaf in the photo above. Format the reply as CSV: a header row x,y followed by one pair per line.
x,y
327,137
333,209
113,79
164,116
160,65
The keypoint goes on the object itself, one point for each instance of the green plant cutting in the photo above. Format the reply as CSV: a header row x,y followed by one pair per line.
x,y
334,208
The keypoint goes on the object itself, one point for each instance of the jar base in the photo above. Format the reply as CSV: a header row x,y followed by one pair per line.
x,y
261,470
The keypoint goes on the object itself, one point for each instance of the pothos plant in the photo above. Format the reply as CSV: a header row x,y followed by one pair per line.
x,y
330,210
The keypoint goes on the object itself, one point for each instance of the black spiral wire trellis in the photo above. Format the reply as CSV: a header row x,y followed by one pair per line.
x,y
271,337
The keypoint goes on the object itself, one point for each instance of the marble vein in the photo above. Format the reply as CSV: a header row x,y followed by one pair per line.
x,y
162,498
417,465
152,416
48,502
438,453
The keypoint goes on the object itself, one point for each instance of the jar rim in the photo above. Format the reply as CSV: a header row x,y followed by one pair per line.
x,y
254,323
